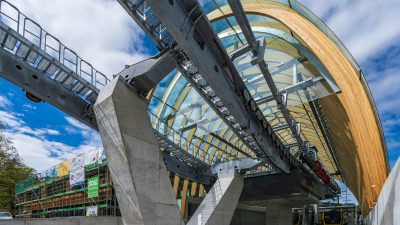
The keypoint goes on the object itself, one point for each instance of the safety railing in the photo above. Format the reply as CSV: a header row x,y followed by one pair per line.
x,y
196,149
36,35
141,11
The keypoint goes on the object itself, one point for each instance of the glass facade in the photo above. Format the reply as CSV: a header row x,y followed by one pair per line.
x,y
176,107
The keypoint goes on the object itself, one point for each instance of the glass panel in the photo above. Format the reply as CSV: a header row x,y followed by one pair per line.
x,y
183,111
285,79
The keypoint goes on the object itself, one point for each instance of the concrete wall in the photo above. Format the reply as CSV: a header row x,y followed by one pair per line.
x,y
246,217
66,221
241,217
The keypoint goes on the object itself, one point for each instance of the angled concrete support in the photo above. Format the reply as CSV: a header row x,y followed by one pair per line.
x,y
138,172
219,205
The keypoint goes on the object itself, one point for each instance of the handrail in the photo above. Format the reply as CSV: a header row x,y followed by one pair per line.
x,y
45,41
177,137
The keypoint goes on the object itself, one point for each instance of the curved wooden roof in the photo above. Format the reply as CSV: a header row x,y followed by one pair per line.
x,y
351,114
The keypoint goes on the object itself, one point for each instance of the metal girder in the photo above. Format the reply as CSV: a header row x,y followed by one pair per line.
x,y
229,144
240,165
56,95
315,107
307,55
265,100
33,81
47,79
207,56
49,90
244,24
145,17
140,11
202,176
282,127
302,85
146,74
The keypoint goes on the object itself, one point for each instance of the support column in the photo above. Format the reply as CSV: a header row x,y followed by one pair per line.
x,y
220,203
138,172
306,215
316,213
279,214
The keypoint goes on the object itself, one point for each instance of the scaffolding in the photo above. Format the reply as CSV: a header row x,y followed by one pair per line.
x,y
50,194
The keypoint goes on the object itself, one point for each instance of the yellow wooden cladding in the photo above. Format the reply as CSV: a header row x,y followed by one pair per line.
x,y
350,114
184,197
176,185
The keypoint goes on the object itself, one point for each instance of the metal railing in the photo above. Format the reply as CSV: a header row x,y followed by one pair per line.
x,y
140,11
44,51
197,150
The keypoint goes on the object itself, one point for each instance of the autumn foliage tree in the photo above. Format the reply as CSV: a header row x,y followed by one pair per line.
x,y
12,170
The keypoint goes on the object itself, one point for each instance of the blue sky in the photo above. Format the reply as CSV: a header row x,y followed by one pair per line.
x,y
44,136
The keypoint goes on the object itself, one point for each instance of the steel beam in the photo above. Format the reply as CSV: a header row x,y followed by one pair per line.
x,y
265,100
281,102
203,48
240,165
282,127
202,176
302,85
35,82
146,74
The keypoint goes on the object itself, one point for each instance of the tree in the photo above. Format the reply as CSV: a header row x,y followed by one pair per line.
x,y
12,170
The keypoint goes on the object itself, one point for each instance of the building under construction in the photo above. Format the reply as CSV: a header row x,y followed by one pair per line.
x,y
246,102
63,191
53,193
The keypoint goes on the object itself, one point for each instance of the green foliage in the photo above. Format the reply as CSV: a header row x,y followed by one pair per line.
x,y
12,170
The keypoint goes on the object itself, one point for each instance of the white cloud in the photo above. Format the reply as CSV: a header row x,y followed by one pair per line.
x,y
35,145
9,119
370,30
366,27
92,137
391,122
103,34
75,123
52,132
385,89
29,107
100,31
4,102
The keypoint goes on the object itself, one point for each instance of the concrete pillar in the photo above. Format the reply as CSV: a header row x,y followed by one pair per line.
x,y
306,215
279,214
219,205
316,213
138,172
